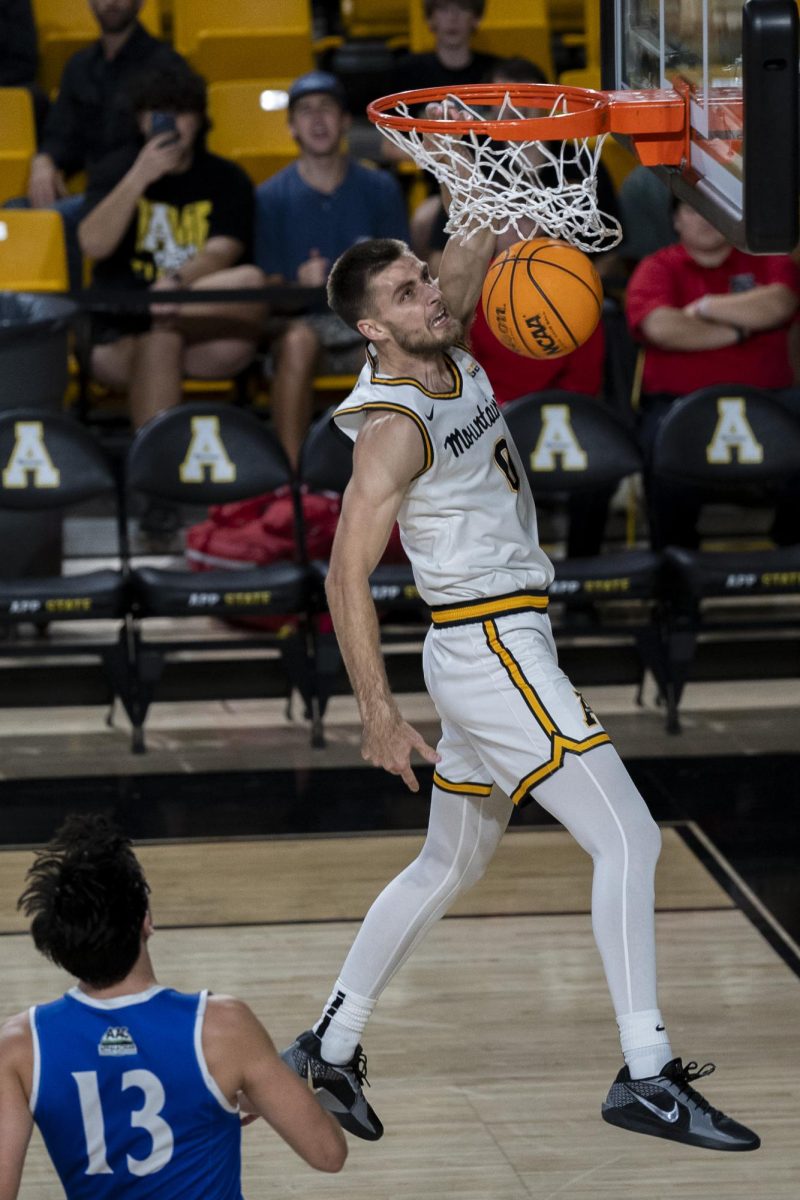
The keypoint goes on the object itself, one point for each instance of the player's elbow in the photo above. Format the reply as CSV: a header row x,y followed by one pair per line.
x,y
330,1154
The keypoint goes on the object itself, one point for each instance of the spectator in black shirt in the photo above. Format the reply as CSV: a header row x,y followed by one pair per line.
x,y
164,215
92,114
453,62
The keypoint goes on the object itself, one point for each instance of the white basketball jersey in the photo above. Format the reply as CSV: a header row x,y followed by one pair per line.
x,y
468,521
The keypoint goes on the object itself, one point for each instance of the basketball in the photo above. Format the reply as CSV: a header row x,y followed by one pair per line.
x,y
542,298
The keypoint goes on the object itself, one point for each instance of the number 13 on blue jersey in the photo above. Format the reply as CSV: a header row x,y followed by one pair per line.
x,y
147,1117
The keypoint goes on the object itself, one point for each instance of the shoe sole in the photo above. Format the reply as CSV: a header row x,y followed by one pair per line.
x,y
674,1135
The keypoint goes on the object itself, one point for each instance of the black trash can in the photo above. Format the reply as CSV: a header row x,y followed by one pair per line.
x,y
34,331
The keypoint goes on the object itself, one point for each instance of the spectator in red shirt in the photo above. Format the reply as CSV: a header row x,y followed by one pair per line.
x,y
707,314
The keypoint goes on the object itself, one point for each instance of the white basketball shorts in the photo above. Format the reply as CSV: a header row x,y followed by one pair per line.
x,y
509,713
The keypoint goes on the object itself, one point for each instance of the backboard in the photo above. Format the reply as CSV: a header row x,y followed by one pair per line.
x,y
738,65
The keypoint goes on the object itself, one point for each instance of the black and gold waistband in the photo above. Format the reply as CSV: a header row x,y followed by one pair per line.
x,y
493,606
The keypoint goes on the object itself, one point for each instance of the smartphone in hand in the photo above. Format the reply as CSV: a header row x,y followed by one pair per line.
x,y
164,123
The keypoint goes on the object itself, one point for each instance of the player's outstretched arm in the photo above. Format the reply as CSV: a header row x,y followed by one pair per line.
x,y
464,262
388,455
462,272
242,1058
16,1122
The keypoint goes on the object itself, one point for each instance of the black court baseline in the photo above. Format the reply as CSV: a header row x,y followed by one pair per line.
x,y
737,814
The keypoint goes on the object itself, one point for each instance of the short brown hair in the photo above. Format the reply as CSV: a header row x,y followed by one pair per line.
x,y
476,7
353,272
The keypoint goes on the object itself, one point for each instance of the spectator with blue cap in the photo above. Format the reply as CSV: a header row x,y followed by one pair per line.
x,y
307,215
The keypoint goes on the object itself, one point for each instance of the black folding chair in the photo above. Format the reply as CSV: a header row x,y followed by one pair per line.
x,y
201,454
741,445
48,462
571,445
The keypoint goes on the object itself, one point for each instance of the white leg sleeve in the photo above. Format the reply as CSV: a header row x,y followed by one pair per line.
x,y
463,834
594,797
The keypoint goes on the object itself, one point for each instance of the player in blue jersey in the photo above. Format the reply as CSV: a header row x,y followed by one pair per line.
x,y
138,1090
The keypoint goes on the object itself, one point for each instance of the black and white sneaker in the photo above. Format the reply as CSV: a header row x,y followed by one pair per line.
x,y
338,1089
667,1106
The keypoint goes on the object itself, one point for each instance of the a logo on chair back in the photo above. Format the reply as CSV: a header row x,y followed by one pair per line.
x,y
206,453
30,462
733,435
558,440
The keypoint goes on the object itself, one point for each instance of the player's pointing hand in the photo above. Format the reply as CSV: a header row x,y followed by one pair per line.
x,y
389,744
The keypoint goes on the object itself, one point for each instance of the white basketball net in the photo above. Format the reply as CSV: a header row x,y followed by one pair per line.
x,y
535,188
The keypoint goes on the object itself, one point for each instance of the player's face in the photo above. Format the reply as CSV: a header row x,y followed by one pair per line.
x,y
318,124
114,16
409,306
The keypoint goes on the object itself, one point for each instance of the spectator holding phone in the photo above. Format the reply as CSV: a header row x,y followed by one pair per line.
x,y
92,114
163,215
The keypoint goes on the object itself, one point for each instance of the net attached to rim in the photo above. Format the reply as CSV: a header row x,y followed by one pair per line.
x,y
521,157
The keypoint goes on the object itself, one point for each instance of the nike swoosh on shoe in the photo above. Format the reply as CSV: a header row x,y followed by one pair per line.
x,y
669,1115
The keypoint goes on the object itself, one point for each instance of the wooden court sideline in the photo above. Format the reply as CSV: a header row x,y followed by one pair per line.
x,y
492,1049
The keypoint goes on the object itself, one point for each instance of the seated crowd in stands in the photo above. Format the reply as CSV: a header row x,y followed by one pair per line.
x,y
161,212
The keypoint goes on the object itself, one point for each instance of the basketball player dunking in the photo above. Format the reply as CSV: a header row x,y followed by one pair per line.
x,y
432,451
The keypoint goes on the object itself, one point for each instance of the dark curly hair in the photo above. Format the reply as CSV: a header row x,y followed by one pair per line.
x,y
171,87
87,896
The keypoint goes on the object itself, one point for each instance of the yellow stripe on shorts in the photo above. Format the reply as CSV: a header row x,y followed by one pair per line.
x,y
478,610
466,789
560,745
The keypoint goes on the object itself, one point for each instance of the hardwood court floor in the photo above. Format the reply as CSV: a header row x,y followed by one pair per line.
x,y
492,1049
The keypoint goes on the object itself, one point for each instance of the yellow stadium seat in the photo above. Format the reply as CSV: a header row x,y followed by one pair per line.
x,y
33,256
244,39
375,18
65,26
17,141
567,16
509,29
589,75
248,120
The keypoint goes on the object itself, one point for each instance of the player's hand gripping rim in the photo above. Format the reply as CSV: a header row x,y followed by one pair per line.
x,y
389,745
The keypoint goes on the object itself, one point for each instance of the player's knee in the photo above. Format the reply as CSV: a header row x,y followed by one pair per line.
x,y
447,869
